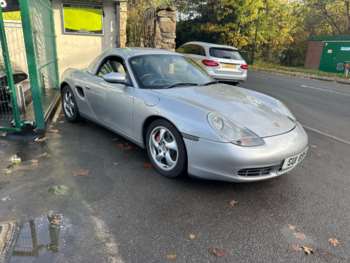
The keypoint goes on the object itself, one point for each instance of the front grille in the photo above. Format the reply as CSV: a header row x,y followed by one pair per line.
x,y
263,171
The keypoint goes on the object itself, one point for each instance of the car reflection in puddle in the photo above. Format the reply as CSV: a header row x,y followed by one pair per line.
x,y
40,239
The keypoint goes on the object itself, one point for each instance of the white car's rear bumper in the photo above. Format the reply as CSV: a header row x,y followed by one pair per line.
x,y
230,77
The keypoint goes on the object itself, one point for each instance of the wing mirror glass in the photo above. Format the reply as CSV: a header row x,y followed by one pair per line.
x,y
115,77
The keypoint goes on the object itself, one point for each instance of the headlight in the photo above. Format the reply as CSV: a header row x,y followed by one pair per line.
x,y
232,133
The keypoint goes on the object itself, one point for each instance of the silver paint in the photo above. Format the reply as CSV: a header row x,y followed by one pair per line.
x,y
125,109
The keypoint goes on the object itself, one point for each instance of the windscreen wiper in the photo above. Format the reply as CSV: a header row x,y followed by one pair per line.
x,y
179,84
211,83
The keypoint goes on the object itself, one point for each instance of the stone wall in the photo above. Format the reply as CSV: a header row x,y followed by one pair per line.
x,y
159,28
123,15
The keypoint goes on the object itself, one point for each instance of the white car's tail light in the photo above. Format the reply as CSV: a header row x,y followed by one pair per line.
x,y
210,63
244,66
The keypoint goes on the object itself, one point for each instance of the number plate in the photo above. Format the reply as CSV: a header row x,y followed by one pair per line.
x,y
293,161
228,66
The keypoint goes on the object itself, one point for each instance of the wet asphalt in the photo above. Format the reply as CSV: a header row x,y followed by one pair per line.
x,y
118,209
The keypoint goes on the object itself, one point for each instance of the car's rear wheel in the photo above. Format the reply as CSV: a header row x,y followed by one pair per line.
x,y
166,149
69,105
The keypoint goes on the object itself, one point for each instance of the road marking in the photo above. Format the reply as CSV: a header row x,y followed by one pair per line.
x,y
327,135
103,233
326,90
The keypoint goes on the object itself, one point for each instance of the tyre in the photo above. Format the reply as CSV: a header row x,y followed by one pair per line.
x,y
69,105
166,149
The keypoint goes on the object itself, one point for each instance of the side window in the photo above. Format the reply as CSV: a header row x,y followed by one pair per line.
x,y
111,64
200,51
192,49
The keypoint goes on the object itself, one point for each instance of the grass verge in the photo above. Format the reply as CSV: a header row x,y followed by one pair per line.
x,y
297,70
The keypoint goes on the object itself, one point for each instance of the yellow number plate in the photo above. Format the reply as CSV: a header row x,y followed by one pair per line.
x,y
228,66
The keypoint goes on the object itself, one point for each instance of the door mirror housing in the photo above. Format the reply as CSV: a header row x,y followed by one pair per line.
x,y
115,77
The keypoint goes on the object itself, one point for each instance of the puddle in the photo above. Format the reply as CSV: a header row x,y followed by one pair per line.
x,y
40,239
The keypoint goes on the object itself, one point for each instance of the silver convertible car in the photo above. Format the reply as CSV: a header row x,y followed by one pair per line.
x,y
189,123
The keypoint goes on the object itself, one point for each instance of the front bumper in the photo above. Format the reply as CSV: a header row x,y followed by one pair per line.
x,y
225,161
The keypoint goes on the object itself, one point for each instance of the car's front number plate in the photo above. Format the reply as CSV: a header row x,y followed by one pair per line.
x,y
294,160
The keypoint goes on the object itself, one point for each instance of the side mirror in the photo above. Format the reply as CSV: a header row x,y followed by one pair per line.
x,y
115,77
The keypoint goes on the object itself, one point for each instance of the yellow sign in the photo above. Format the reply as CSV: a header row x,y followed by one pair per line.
x,y
13,15
83,19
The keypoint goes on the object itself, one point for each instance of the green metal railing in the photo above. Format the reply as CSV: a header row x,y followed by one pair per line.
x,y
40,42
9,111
33,45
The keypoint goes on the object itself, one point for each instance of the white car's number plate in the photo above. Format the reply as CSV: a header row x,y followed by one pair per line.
x,y
294,160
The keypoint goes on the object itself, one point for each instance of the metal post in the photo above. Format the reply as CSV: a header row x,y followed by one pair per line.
x,y
9,73
32,65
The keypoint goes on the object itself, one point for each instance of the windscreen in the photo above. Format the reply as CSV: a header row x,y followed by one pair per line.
x,y
225,53
163,71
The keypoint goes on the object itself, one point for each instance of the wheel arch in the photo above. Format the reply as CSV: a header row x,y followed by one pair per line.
x,y
64,84
148,122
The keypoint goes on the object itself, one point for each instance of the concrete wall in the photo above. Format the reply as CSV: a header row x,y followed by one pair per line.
x,y
122,18
313,54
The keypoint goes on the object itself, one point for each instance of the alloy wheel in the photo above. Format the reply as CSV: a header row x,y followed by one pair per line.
x,y
163,148
68,104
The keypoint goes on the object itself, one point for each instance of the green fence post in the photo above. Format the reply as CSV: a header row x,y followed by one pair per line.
x,y
9,73
32,64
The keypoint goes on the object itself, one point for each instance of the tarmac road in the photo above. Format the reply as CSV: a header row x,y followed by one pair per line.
x,y
123,211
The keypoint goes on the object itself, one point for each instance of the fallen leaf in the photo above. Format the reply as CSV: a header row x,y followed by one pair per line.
x,y
58,190
233,203
218,252
55,219
147,165
192,236
296,247
7,171
15,159
300,236
81,172
6,198
307,250
40,139
53,131
34,162
291,227
128,147
45,154
120,145
334,242
171,257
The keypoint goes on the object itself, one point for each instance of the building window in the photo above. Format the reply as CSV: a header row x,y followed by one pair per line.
x,y
82,19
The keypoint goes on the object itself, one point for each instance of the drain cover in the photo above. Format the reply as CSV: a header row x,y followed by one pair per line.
x,y
8,231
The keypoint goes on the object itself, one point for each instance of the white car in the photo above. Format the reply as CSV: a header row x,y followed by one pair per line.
x,y
223,63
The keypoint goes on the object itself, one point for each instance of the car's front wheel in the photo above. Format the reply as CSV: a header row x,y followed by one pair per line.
x,y
69,105
166,149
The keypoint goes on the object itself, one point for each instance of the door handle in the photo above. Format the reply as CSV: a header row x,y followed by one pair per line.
x,y
88,88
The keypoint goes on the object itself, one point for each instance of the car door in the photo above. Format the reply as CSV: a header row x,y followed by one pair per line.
x,y
118,97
